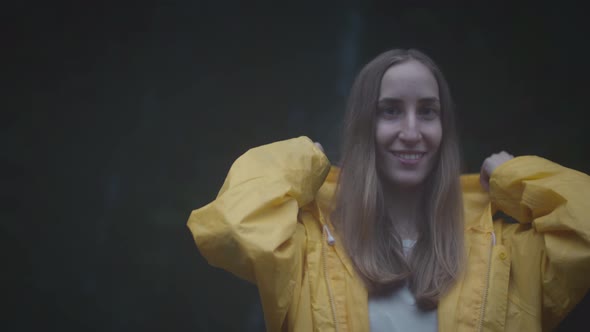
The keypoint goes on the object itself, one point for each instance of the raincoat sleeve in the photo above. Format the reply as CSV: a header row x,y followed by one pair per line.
x,y
556,201
251,228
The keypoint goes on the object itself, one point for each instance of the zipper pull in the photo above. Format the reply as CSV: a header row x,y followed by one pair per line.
x,y
331,240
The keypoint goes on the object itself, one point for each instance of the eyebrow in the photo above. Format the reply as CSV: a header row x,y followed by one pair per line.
x,y
398,100
429,100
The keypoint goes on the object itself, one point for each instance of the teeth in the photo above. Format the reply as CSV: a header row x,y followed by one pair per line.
x,y
409,156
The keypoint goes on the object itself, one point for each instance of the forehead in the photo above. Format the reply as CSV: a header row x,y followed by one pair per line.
x,y
409,79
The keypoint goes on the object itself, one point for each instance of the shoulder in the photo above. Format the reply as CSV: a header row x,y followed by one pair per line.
x,y
472,191
475,199
325,194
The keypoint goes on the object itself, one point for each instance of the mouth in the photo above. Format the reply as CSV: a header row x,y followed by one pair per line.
x,y
409,157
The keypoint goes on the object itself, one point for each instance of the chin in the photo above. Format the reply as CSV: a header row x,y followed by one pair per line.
x,y
406,182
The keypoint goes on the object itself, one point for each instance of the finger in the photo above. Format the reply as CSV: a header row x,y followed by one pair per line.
x,y
488,165
484,177
319,146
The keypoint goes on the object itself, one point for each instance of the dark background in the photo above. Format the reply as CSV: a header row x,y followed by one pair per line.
x,y
119,119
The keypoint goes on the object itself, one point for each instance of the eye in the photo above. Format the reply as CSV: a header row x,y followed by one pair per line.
x,y
428,112
390,112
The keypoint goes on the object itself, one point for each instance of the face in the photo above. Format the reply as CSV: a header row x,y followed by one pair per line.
x,y
408,125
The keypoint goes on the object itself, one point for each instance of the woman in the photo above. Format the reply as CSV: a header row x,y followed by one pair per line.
x,y
396,233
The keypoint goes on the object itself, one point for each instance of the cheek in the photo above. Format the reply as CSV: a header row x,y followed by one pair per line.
x,y
379,134
384,133
435,135
382,141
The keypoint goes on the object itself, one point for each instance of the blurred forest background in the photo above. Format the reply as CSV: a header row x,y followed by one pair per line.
x,y
119,118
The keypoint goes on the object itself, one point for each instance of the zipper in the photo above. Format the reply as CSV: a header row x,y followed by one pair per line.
x,y
487,279
331,241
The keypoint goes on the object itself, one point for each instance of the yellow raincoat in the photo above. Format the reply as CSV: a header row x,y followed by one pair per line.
x,y
269,225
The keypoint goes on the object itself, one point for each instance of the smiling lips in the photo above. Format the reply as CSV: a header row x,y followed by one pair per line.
x,y
408,157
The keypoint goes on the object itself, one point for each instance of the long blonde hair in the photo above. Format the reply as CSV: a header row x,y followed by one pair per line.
x,y
360,216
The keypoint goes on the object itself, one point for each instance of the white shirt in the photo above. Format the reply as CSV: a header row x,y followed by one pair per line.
x,y
398,312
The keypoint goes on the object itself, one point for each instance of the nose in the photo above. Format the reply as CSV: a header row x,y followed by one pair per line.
x,y
410,131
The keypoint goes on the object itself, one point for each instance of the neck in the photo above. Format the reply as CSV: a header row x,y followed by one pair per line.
x,y
402,206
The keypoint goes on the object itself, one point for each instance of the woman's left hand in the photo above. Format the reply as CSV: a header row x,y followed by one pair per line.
x,y
489,165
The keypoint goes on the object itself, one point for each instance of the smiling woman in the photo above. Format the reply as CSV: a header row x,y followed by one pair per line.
x,y
395,239
412,184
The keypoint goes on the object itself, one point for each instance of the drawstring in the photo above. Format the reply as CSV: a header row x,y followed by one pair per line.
x,y
331,240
